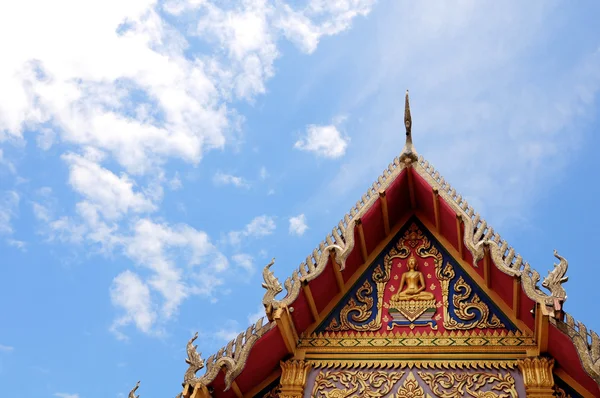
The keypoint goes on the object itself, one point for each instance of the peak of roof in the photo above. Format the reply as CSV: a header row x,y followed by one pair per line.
x,y
408,154
478,237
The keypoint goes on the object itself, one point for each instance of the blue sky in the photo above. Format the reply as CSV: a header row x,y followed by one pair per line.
x,y
154,156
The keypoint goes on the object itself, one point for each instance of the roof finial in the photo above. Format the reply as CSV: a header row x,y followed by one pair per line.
x,y
407,119
132,392
408,154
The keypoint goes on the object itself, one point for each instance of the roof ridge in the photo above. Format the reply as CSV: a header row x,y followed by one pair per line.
x,y
586,342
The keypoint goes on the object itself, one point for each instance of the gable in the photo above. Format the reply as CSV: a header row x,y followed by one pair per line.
x,y
438,295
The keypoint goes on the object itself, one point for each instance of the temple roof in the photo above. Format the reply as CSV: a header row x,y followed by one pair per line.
x,y
409,186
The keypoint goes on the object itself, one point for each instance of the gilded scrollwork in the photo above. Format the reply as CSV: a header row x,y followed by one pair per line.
x,y
560,393
360,307
480,384
354,383
356,311
468,311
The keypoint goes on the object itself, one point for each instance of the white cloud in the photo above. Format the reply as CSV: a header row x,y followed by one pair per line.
x,y
41,212
320,18
132,295
259,226
298,225
128,93
105,192
9,205
6,348
7,163
324,141
244,260
229,331
157,246
19,244
254,317
175,182
263,174
65,395
230,179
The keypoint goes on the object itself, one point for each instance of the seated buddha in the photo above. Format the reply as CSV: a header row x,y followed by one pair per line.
x,y
415,285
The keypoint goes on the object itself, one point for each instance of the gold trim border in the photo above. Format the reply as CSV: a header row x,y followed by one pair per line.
x,y
427,364
373,341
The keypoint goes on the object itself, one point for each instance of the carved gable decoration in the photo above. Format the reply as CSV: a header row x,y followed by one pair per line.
x,y
410,382
415,284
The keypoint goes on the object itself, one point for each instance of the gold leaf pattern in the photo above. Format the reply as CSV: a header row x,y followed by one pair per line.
x,y
348,383
465,309
410,388
451,385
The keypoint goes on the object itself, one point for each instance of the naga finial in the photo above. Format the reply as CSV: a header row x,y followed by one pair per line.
x,y
408,154
556,277
271,283
132,392
194,359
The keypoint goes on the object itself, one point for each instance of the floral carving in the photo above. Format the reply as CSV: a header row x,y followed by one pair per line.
x,y
354,383
480,385
410,388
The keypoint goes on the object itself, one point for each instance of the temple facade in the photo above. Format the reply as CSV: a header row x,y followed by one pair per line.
x,y
413,295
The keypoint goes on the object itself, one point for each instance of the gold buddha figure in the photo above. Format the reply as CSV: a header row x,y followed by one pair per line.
x,y
415,285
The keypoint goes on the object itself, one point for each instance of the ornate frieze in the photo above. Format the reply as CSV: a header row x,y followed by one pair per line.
x,y
402,381
404,339
357,383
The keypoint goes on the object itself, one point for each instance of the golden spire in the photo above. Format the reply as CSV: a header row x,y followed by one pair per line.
x,y
407,119
408,154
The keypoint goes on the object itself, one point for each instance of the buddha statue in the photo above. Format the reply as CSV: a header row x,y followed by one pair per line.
x,y
415,285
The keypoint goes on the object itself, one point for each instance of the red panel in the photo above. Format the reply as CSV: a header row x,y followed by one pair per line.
x,y
468,258
479,267
263,360
301,316
219,385
373,226
501,284
398,198
324,287
354,260
424,197
525,311
448,221
565,354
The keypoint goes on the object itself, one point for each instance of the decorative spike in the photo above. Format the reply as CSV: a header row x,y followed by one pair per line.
x,y
229,349
132,392
518,262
